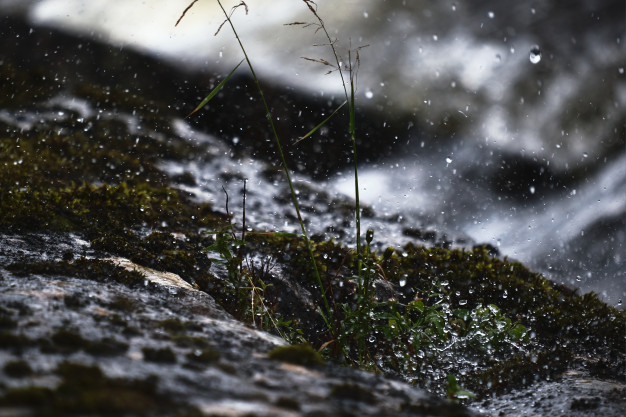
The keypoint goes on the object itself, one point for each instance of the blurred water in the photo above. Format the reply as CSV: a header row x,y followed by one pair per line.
x,y
518,112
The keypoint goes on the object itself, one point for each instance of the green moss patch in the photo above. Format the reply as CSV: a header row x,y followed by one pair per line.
x,y
83,268
86,390
163,355
302,354
17,369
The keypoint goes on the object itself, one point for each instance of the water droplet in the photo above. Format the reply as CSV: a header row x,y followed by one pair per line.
x,y
491,15
620,70
369,94
402,282
435,38
366,15
535,54
454,7
585,155
462,302
448,160
532,189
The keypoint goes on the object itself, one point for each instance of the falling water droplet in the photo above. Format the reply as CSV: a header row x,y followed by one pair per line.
x,y
491,15
448,160
369,94
535,54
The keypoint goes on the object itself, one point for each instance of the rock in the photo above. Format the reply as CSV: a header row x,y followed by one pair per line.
x,y
169,347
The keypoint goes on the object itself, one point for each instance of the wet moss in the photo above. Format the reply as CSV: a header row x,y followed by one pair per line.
x,y
466,280
352,392
203,357
288,403
86,390
17,369
164,252
123,304
184,341
66,341
162,355
92,269
74,301
302,354
520,371
14,342
175,325
106,347
7,323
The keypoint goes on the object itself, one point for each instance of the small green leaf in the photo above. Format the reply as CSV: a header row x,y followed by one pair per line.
x,y
214,92
316,128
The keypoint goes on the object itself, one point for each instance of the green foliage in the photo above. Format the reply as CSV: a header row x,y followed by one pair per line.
x,y
455,392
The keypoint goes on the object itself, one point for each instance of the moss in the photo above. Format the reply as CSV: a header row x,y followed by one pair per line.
x,y
302,354
123,304
16,342
520,371
92,269
204,356
7,323
86,390
17,369
27,396
185,341
106,347
74,301
177,326
470,279
352,392
288,403
163,355
163,252
67,341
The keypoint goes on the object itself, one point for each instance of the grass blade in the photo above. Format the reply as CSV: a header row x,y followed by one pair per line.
x,y
216,90
316,128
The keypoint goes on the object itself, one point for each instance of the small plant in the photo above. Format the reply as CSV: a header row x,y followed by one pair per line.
x,y
455,392
363,328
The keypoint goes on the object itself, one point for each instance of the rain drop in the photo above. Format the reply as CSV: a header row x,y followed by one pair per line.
x,y
369,94
535,54
491,15
448,160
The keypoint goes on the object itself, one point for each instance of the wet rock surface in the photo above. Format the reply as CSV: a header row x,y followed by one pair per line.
x,y
172,348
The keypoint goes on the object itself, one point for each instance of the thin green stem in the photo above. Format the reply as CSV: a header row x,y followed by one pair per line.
x,y
352,126
283,160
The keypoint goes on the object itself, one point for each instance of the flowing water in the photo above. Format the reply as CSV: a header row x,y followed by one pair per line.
x,y
515,132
